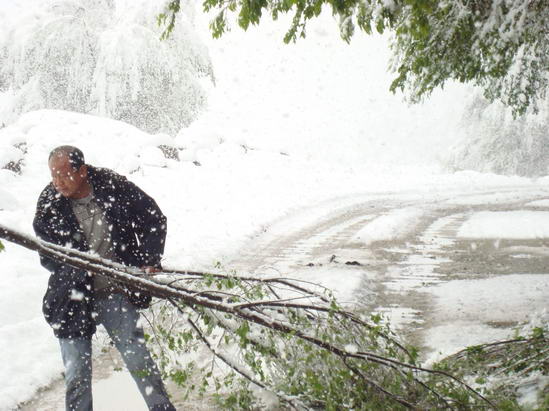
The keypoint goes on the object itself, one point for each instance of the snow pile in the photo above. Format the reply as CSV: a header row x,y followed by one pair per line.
x,y
395,225
520,224
36,133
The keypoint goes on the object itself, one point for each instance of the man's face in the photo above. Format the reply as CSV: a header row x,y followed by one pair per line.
x,y
67,181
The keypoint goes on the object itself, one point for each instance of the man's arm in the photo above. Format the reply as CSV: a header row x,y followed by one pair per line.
x,y
39,225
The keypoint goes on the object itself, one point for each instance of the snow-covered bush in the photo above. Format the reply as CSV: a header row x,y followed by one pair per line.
x,y
104,57
496,142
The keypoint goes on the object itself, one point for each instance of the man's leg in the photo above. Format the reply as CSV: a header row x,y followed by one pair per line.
x,y
120,317
77,359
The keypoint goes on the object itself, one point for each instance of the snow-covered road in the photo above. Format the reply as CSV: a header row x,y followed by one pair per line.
x,y
434,266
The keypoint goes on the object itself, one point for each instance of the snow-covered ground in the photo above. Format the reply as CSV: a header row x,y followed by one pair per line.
x,y
213,210
389,227
287,126
463,301
507,224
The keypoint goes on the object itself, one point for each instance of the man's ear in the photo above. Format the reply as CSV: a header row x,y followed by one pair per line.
x,y
83,170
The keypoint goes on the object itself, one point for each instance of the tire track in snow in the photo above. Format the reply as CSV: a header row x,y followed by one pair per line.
x,y
398,276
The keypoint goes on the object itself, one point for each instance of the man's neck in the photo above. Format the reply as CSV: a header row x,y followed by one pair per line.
x,y
83,191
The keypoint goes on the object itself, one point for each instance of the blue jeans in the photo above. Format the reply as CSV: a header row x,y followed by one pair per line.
x,y
119,317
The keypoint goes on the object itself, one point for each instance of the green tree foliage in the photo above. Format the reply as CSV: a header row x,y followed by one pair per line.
x,y
500,45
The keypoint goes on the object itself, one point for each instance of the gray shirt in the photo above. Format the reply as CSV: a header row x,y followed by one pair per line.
x,y
97,232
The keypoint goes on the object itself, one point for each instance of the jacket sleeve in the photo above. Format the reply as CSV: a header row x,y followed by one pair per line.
x,y
46,262
40,227
150,224
46,225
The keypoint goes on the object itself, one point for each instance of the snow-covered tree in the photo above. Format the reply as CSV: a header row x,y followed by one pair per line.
x,y
105,57
496,142
500,45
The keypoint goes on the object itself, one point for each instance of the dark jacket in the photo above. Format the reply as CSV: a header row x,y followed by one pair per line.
x,y
138,235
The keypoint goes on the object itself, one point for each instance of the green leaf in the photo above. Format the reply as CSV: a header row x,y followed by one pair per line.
x,y
537,332
242,332
475,349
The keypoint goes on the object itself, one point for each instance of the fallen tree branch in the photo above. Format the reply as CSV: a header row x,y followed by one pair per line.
x,y
318,325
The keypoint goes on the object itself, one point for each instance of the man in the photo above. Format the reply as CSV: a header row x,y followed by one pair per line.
x,y
97,210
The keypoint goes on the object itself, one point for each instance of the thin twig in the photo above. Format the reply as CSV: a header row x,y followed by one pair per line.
x,y
229,363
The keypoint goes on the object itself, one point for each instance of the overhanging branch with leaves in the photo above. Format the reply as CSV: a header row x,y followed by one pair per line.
x,y
500,46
